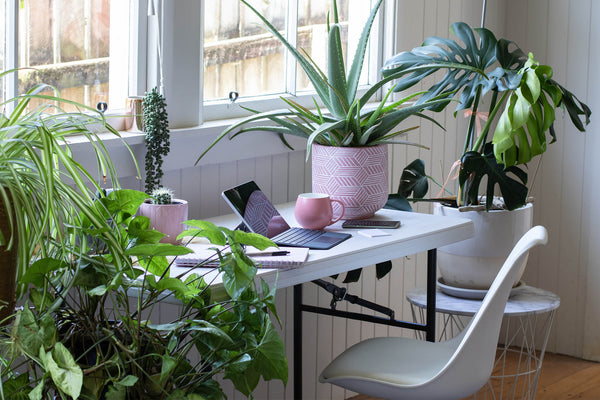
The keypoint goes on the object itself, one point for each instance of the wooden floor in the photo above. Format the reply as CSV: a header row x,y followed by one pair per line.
x,y
562,378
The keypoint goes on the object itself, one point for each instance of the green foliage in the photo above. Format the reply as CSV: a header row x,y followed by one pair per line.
x,y
523,99
68,343
162,195
156,125
41,183
349,119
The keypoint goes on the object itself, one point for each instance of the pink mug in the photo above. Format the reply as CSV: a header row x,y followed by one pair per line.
x,y
314,211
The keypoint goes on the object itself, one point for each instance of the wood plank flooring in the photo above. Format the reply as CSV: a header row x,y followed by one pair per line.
x,y
562,378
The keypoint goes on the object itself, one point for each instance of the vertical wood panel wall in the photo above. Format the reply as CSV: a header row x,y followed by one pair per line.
x,y
561,33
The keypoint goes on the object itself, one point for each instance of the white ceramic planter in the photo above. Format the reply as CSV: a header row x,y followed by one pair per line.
x,y
356,176
166,218
475,262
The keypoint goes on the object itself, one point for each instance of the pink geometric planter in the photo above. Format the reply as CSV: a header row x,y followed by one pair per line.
x,y
166,218
356,176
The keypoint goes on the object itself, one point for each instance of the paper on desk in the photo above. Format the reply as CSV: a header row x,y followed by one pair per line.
x,y
203,251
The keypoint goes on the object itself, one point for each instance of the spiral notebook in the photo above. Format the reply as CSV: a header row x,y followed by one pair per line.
x,y
295,258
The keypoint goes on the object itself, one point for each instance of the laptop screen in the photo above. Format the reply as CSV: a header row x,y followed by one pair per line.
x,y
255,209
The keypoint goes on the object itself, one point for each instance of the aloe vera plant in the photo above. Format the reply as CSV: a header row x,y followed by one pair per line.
x,y
349,119
522,100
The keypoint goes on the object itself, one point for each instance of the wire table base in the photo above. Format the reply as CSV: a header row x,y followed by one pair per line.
x,y
523,337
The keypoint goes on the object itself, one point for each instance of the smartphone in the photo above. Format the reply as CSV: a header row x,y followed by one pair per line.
x,y
370,223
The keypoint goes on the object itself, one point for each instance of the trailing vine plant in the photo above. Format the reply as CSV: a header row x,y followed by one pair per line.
x,y
156,123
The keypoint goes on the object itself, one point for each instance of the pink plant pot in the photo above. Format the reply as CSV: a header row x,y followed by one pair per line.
x,y
356,176
166,218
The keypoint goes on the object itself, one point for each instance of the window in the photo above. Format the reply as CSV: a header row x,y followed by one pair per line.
x,y
72,45
97,51
241,58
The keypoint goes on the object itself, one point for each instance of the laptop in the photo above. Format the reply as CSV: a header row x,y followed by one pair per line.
x,y
259,215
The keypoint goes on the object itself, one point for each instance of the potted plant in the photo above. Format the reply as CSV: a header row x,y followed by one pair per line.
x,y
68,342
348,132
41,183
521,98
166,214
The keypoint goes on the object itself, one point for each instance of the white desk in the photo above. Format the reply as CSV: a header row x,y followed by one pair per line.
x,y
418,233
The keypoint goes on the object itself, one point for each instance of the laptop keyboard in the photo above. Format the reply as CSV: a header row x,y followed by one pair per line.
x,y
296,236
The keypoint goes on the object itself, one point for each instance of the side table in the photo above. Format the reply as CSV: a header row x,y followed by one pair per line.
x,y
528,317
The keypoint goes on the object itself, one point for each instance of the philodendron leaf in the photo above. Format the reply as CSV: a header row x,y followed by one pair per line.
x,y
476,166
65,373
270,360
157,249
239,274
38,270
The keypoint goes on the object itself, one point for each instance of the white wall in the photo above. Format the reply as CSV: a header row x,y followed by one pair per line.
x,y
560,33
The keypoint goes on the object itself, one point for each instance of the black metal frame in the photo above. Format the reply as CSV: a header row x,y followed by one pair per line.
x,y
340,294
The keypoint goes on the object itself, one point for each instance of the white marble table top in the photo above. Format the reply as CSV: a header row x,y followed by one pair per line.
x,y
524,300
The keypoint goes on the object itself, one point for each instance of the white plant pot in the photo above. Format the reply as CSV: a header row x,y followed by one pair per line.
x,y
474,263
166,218
355,176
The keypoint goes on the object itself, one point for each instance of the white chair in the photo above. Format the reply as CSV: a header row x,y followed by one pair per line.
x,y
404,368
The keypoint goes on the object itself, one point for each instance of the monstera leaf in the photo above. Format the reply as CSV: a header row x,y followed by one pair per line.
x,y
465,63
476,166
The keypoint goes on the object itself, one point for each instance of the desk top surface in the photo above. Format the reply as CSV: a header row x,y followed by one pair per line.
x,y
418,232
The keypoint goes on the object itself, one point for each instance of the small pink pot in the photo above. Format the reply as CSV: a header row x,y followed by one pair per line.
x,y
355,176
166,218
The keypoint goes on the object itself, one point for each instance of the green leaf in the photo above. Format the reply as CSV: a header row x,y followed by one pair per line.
x,y
128,381
252,239
38,270
383,268
37,392
270,360
239,273
353,276
397,202
65,373
157,249
476,166
414,180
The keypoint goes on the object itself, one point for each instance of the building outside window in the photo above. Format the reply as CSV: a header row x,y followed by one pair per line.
x,y
83,48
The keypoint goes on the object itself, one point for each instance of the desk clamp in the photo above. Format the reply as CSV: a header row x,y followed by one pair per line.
x,y
341,294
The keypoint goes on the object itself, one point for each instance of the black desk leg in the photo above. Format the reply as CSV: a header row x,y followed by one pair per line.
x,y
297,342
431,290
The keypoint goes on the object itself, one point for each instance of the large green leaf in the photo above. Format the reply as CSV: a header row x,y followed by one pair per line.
x,y
65,373
476,166
465,65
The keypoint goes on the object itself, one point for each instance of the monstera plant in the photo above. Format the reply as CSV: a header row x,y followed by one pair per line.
x,y
522,99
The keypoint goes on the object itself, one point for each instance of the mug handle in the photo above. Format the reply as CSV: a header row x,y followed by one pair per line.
x,y
341,215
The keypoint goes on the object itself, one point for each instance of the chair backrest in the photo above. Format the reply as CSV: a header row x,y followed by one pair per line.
x,y
475,353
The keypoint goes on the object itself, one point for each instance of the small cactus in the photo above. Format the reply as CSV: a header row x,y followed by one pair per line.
x,y
162,195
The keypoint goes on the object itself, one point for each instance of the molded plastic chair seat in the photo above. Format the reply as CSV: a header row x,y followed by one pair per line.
x,y
404,368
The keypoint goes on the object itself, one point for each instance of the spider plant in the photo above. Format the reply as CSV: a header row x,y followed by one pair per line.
x,y
43,187
346,118
522,101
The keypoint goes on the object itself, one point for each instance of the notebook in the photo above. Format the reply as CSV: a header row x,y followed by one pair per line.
x,y
204,251
260,216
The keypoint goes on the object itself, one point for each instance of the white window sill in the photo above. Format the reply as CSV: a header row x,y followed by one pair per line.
x,y
186,145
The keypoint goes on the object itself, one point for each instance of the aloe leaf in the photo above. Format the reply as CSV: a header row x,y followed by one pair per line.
x,y
338,91
359,56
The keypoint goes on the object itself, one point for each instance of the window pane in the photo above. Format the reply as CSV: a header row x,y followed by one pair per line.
x,y
68,44
239,55
2,47
313,38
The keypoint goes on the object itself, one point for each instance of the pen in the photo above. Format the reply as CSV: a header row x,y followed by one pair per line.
x,y
269,254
